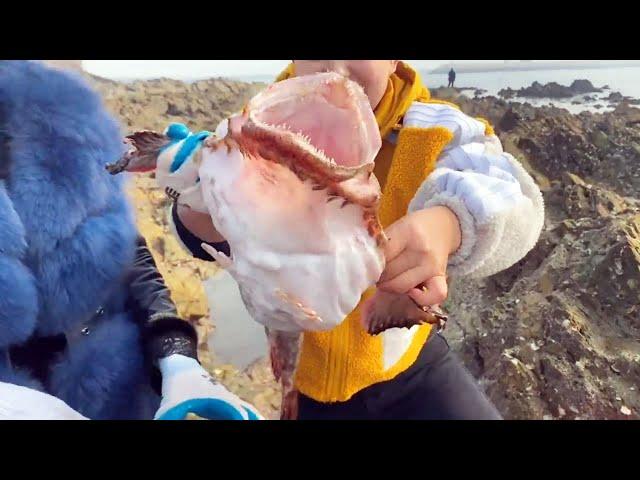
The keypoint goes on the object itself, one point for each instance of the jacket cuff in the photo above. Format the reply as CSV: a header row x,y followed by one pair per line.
x,y
190,242
467,225
165,337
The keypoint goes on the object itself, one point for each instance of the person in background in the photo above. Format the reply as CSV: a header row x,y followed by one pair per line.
x,y
452,78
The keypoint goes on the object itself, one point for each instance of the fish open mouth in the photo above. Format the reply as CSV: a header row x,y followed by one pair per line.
x,y
325,115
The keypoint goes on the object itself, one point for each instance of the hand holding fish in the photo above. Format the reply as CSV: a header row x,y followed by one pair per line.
x,y
417,254
414,280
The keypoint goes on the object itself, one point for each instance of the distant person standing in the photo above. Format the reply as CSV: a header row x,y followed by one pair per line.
x,y
452,78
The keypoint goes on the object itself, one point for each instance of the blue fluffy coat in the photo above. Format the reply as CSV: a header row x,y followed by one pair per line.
x,y
67,238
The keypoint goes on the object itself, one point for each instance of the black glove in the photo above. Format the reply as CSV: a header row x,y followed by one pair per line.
x,y
163,332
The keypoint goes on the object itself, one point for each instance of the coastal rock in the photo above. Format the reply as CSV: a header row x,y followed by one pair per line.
x,y
629,114
614,97
558,334
510,120
583,86
551,90
507,93
153,104
599,139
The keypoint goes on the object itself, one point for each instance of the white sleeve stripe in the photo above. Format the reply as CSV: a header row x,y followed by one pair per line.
x,y
465,123
420,114
460,158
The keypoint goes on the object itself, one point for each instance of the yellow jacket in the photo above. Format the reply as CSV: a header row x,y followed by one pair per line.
x,y
335,365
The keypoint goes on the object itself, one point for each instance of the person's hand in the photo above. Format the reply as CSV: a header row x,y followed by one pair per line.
x,y
188,388
178,165
417,254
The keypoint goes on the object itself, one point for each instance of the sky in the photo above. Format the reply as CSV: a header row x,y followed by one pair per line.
x,y
181,68
191,69
206,68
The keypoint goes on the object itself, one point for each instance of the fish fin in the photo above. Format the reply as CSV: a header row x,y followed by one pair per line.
x,y
222,260
392,310
301,307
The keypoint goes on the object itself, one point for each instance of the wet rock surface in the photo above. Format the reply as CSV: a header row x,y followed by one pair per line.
x,y
558,334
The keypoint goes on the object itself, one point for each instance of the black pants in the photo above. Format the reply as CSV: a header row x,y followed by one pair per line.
x,y
436,387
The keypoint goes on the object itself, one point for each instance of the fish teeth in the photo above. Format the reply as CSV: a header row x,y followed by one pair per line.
x,y
303,138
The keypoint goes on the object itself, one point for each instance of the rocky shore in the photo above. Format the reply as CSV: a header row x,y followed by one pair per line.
x,y
558,334
555,336
579,92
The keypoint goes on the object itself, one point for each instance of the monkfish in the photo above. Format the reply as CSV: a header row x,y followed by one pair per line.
x,y
291,187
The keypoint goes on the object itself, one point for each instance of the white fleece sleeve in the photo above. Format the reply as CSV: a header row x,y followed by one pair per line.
x,y
499,206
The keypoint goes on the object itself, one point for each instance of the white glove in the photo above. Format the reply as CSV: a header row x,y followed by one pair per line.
x,y
188,388
177,166
22,403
